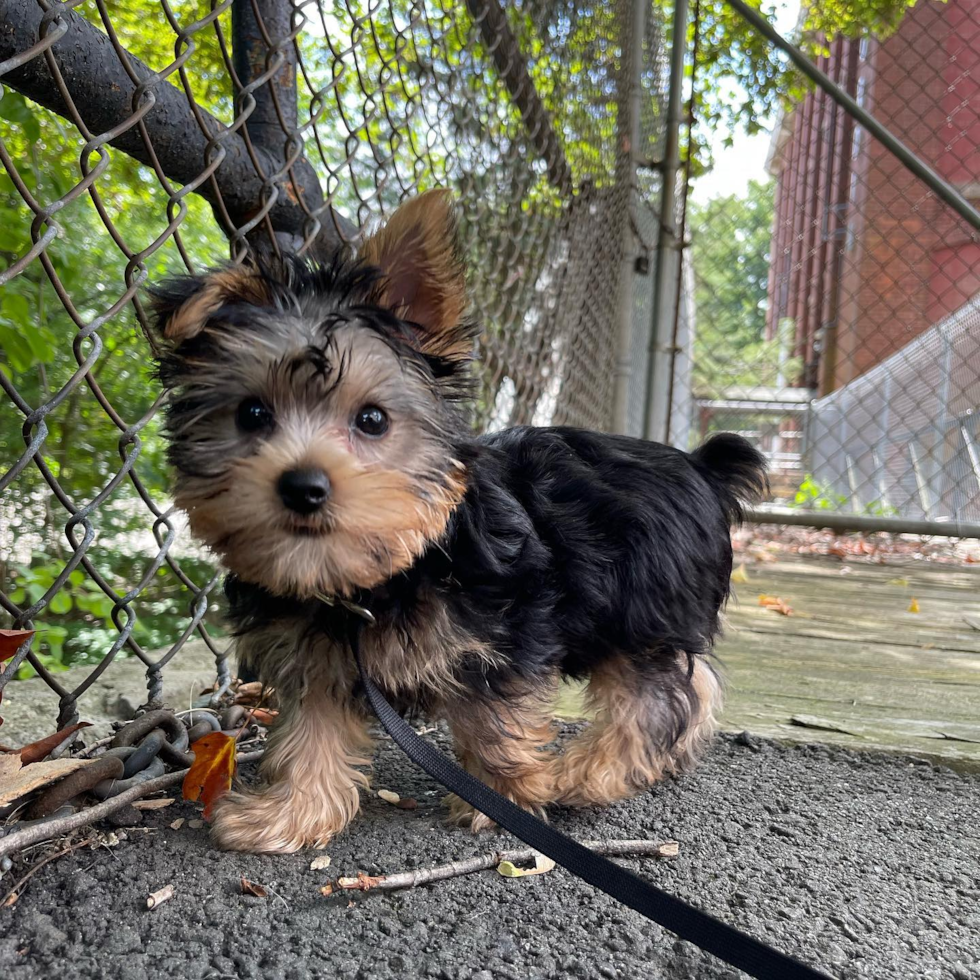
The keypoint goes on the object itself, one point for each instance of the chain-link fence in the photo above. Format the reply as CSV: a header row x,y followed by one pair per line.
x,y
834,296
824,310
141,137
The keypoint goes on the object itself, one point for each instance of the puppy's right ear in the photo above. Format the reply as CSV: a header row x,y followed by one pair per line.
x,y
183,305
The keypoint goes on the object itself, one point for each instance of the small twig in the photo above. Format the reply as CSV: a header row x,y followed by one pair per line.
x,y
86,753
14,892
63,825
160,896
483,862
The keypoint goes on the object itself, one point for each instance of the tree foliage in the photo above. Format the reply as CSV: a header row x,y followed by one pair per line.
x,y
730,244
741,80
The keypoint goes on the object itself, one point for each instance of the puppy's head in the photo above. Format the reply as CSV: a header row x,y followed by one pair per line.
x,y
313,409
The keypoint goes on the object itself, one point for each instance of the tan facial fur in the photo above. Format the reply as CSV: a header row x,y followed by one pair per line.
x,y
313,344
389,498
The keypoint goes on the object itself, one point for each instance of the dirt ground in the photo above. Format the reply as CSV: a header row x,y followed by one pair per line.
x,y
865,865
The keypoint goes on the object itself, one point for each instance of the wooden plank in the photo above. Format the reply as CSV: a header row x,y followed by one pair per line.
x,y
852,667
854,662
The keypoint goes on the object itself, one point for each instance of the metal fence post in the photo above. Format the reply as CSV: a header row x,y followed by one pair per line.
x,y
666,280
634,30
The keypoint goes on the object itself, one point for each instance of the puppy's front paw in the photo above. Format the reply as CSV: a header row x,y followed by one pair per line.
x,y
279,820
463,815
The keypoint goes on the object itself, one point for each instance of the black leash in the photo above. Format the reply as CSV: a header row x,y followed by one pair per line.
x,y
727,943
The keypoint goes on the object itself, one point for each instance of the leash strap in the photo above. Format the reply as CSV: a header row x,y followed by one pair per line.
x,y
724,941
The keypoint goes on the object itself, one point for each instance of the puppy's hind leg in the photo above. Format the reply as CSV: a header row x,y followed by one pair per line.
x,y
646,725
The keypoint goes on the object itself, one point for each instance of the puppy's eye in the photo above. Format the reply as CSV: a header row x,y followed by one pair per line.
x,y
372,421
253,415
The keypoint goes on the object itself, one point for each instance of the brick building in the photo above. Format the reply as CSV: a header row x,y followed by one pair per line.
x,y
864,257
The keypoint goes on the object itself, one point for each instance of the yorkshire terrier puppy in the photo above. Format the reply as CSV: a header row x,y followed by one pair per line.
x,y
318,429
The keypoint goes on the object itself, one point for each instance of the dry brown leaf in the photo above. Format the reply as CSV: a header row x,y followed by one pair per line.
x,y
251,689
160,896
11,641
407,803
253,888
16,780
326,890
776,604
542,865
43,747
320,862
152,804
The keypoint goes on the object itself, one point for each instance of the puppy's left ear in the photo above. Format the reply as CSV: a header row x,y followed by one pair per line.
x,y
183,305
424,279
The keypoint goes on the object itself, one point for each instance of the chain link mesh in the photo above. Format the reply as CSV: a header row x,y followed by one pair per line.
x,y
834,300
145,137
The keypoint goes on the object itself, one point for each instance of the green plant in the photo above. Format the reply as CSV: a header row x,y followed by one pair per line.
x,y
76,626
880,508
812,495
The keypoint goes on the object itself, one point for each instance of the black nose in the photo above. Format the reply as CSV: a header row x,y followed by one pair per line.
x,y
304,491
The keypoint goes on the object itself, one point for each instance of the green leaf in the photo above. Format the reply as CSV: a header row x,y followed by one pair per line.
x,y
60,603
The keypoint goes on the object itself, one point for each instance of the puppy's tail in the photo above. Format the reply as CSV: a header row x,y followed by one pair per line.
x,y
736,469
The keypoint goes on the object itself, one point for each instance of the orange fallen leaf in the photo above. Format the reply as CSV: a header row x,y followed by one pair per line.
x,y
252,888
209,778
264,716
42,748
10,643
914,605
776,604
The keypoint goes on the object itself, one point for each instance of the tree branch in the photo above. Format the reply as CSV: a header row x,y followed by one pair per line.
x,y
484,862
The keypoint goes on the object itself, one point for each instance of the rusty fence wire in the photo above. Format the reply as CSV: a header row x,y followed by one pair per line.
x,y
142,137
834,297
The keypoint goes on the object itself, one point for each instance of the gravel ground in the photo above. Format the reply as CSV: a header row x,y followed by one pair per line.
x,y
864,865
